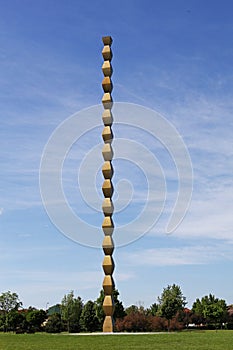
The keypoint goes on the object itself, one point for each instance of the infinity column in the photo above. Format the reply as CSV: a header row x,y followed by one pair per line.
x,y
107,170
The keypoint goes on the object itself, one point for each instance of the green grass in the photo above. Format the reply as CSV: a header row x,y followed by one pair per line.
x,y
196,340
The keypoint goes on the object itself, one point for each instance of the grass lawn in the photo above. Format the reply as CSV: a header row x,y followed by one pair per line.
x,y
196,340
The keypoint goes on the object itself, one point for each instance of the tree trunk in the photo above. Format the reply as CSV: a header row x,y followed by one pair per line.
x,y
168,326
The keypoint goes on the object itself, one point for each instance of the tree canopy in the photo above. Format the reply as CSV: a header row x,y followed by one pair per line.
x,y
71,309
171,301
9,301
211,310
88,319
9,305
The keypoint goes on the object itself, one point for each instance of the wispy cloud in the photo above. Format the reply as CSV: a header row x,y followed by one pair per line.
x,y
187,255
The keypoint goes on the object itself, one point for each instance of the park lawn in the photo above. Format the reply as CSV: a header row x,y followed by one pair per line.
x,y
195,340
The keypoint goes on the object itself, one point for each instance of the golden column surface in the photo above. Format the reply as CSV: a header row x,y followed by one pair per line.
x,y
107,187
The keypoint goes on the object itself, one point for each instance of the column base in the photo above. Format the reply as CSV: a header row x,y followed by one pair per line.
x,y
108,326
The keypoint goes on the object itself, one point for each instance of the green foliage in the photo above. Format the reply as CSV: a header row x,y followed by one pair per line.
x,y
152,310
16,321
99,309
88,320
35,318
170,302
71,309
73,316
211,310
9,302
119,308
54,324
132,309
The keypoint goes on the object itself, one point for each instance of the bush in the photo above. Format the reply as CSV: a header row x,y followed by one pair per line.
x,y
134,322
158,324
54,324
139,322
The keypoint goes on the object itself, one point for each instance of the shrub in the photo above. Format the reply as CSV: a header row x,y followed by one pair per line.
x,y
54,324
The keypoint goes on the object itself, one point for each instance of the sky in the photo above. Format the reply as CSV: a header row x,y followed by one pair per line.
x,y
173,76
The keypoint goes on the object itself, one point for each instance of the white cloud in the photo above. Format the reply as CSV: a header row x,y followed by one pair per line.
x,y
187,255
209,216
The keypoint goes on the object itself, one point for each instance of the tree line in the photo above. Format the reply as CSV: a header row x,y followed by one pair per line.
x,y
73,315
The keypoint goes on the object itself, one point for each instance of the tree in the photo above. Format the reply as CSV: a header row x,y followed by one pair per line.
x,y
54,324
197,309
119,308
88,320
16,321
8,302
170,302
71,309
35,318
211,309
132,309
137,309
153,309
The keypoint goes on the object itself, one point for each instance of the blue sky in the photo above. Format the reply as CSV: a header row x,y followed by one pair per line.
x,y
174,57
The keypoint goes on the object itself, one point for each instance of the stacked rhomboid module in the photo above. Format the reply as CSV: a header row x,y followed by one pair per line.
x,y
107,170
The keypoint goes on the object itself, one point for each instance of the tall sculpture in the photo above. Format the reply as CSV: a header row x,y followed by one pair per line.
x,y
107,170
